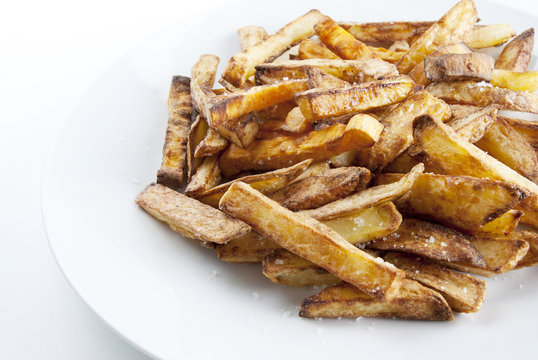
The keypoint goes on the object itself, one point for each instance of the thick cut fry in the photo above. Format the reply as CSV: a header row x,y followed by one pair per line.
x,y
430,240
518,81
449,29
197,133
313,241
393,53
417,74
309,49
266,183
212,144
483,36
413,302
241,66
249,248
383,32
189,217
321,189
340,41
319,104
473,126
449,67
517,54
175,143
250,35
484,94
267,154
527,128
202,79
530,237
352,71
506,145
320,79
397,134
206,177
464,293
366,198
461,202
504,224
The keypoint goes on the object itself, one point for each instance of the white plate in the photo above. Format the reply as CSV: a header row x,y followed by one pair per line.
x,y
172,298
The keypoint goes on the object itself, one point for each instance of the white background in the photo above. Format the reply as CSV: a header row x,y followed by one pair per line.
x,y
51,52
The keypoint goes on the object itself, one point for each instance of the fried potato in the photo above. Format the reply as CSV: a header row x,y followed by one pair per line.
x,y
450,67
413,302
483,36
312,240
267,154
449,29
207,176
393,53
250,35
319,104
202,80
462,202
504,224
321,189
526,128
352,71
340,41
383,32
464,293
517,54
197,133
175,143
518,81
431,240
484,94
266,183
241,66
189,217
530,237
309,49
320,79
212,144
276,112
366,198
473,126
249,248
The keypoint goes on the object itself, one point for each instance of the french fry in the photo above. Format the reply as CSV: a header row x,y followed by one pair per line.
x,y
249,248
352,71
516,55
319,104
276,112
197,133
309,49
312,240
464,293
202,80
267,154
366,198
250,35
413,302
321,189
449,67
473,126
241,66
483,36
175,143
503,225
207,176
518,81
320,79
449,29
462,202
397,134
393,54
383,32
430,240
484,94
189,217
212,144
530,237
526,128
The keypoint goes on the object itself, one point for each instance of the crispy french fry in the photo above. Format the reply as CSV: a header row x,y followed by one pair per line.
x,y
504,224
460,111
212,144
202,80
393,53
530,237
250,35
449,67
516,55
397,134
277,112
473,126
484,94
344,159
319,104
309,49
462,202
417,74
206,177
241,66
320,79
483,36
175,143
464,293
527,128
249,248
321,189
189,217
366,198
197,133
430,240
267,154
518,81
449,29
352,71
266,183
413,302
312,240
383,32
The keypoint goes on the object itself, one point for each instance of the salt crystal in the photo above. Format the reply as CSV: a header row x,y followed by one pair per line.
x,y
465,290
417,271
285,78
443,244
260,162
279,261
442,287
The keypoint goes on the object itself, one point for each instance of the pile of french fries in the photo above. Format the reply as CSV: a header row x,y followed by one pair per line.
x,y
370,158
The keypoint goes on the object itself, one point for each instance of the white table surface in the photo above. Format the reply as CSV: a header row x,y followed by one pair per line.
x,y
51,53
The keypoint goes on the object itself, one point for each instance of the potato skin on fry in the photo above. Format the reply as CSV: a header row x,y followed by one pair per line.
x,y
517,54
449,67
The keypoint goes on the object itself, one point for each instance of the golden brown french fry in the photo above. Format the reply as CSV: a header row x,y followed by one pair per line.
x,y
460,111
189,217
206,177
527,128
518,81
309,49
250,35
449,29
212,144
340,41
449,67
249,248
366,198
464,293
516,55
413,302
474,125
197,133
484,94
202,80
352,71
318,190
312,240
242,66
267,154
383,32
483,36
266,183
320,79
393,54
319,104
397,134
530,237
431,240
504,224
175,143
